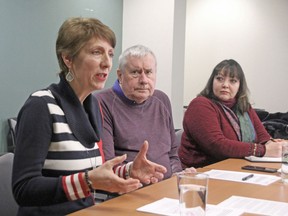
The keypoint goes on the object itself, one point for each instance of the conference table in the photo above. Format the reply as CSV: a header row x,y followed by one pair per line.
x,y
218,191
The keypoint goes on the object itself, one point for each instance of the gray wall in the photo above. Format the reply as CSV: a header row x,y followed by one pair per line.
x,y
27,46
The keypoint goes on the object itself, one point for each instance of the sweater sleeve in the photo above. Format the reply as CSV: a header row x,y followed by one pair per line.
x,y
262,134
173,153
108,128
33,137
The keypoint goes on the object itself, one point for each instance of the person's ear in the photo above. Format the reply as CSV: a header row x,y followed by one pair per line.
x,y
67,60
119,75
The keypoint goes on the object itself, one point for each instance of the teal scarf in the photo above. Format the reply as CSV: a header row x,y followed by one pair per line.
x,y
247,128
241,124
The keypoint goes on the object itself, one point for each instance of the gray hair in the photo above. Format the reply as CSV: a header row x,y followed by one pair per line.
x,y
134,51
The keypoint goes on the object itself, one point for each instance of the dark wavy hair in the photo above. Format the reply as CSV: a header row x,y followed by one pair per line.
x,y
232,69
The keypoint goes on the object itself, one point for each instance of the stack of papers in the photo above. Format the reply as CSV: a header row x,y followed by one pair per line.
x,y
170,207
233,206
264,159
256,206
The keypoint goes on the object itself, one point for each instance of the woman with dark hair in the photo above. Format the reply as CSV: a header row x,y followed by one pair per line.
x,y
220,122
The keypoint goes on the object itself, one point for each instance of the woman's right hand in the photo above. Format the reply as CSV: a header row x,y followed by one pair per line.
x,y
104,178
273,148
145,170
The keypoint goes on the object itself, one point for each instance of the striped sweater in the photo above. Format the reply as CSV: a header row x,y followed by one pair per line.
x,y
57,139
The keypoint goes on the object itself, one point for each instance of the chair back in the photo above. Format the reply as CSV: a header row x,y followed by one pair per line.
x,y
11,134
8,205
178,134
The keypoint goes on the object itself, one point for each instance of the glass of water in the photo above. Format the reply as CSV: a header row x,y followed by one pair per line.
x,y
284,167
193,188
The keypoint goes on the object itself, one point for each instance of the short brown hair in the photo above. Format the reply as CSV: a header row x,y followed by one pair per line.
x,y
75,32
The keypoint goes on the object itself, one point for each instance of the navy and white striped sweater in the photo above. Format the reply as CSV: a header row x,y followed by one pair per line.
x,y
57,138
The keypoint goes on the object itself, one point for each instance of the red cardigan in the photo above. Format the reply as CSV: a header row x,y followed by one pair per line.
x,y
208,136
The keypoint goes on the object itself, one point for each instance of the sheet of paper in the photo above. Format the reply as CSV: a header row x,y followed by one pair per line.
x,y
260,179
164,206
256,206
264,159
170,207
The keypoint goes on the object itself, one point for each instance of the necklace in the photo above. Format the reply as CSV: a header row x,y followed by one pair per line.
x,y
93,165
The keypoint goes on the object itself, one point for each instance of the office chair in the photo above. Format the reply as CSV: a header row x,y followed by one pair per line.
x,y
8,205
178,134
11,134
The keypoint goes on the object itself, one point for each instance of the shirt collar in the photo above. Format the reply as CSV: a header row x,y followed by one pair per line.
x,y
118,90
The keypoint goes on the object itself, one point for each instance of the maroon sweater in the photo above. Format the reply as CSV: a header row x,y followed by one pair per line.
x,y
208,136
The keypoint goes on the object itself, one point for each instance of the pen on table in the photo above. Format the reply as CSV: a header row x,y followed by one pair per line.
x,y
247,177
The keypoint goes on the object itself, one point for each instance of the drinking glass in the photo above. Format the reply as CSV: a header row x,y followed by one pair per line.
x,y
193,188
284,167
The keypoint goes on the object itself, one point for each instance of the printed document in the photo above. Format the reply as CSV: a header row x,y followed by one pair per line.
x,y
260,179
170,207
264,159
256,206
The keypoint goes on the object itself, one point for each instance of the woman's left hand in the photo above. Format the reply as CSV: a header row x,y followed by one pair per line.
x,y
273,148
144,170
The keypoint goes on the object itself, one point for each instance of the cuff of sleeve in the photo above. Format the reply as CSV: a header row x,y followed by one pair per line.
x,y
74,186
261,150
123,171
128,170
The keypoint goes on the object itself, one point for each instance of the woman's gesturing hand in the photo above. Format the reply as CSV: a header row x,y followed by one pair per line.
x,y
104,178
144,170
